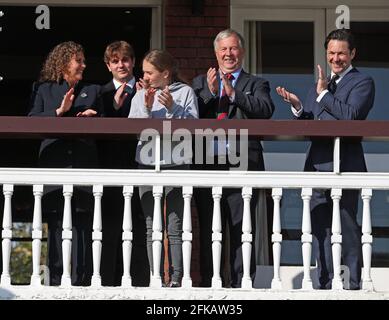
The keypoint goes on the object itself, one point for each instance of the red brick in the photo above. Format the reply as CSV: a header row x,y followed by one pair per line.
x,y
183,63
172,42
208,32
216,11
178,31
178,10
196,21
216,22
178,2
210,3
205,53
182,52
188,73
174,21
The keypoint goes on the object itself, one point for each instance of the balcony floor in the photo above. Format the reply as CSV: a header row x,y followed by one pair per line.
x,y
113,293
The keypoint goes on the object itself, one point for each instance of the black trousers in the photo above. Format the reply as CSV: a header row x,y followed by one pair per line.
x,y
112,254
82,219
321,216
232,214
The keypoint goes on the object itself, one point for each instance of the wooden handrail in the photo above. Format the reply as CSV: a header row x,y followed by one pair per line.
x,y
122,128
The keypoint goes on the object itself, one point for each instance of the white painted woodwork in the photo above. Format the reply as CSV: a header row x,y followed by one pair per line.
x,y
67,236
306,238
216,237
367,182
97,235
157,237
6,234
158,153
187,237
247,238
36,235
127,236
367,240
337,155
276,238
336,239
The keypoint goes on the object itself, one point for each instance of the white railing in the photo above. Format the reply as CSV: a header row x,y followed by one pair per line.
x,y
247,181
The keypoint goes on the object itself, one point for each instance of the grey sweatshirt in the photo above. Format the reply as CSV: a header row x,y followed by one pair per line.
x,y
184,107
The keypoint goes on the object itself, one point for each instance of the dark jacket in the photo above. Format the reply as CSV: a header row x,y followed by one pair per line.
x,y
116,154
252,101
352,100
66,153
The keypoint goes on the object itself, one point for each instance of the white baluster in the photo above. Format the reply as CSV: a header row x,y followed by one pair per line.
x,y
97,236
367,240
36,236
306,238
276,238
247,238
127,236
8,190
67,236
156,281
187,237
216,237
336,239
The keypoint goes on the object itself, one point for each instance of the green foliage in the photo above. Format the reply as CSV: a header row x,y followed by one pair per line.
x,y
21,255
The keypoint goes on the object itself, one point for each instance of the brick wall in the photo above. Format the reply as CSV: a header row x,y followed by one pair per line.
x,y
189,37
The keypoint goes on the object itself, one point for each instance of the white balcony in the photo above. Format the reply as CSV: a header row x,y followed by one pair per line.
x,y
272,282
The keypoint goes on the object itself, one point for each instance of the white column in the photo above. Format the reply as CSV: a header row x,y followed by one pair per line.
x,y
127,236
367,240
276,238
187,237
8,190
36,236
67,236
97,236
216,237
306,238
336,239
156,281
247,238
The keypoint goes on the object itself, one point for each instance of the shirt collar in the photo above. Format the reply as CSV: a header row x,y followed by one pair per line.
x,y
236,73
342,74
130,83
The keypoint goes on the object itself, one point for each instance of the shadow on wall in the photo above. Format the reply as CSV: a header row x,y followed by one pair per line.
x,y
291,277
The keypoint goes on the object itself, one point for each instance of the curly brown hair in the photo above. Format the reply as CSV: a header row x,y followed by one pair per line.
x,y
58,59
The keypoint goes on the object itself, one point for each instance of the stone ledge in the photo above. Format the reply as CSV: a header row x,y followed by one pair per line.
x,y
112,293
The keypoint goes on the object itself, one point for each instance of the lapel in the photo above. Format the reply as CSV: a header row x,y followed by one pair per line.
x,y
339,87
346,79
240,84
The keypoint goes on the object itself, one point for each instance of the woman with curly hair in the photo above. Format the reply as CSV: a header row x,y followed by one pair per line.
x,y
61,93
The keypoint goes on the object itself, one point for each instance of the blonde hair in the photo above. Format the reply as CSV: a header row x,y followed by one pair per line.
x,y
163,60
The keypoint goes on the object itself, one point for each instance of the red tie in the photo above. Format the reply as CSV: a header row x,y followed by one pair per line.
x,y
224,101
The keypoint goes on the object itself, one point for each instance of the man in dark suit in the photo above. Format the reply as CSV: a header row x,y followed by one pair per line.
x,y
229,93
346,95
117,94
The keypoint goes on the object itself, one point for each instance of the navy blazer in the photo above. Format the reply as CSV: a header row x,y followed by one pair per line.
x,y
252,101
352,100
107,93
66,153
116,154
